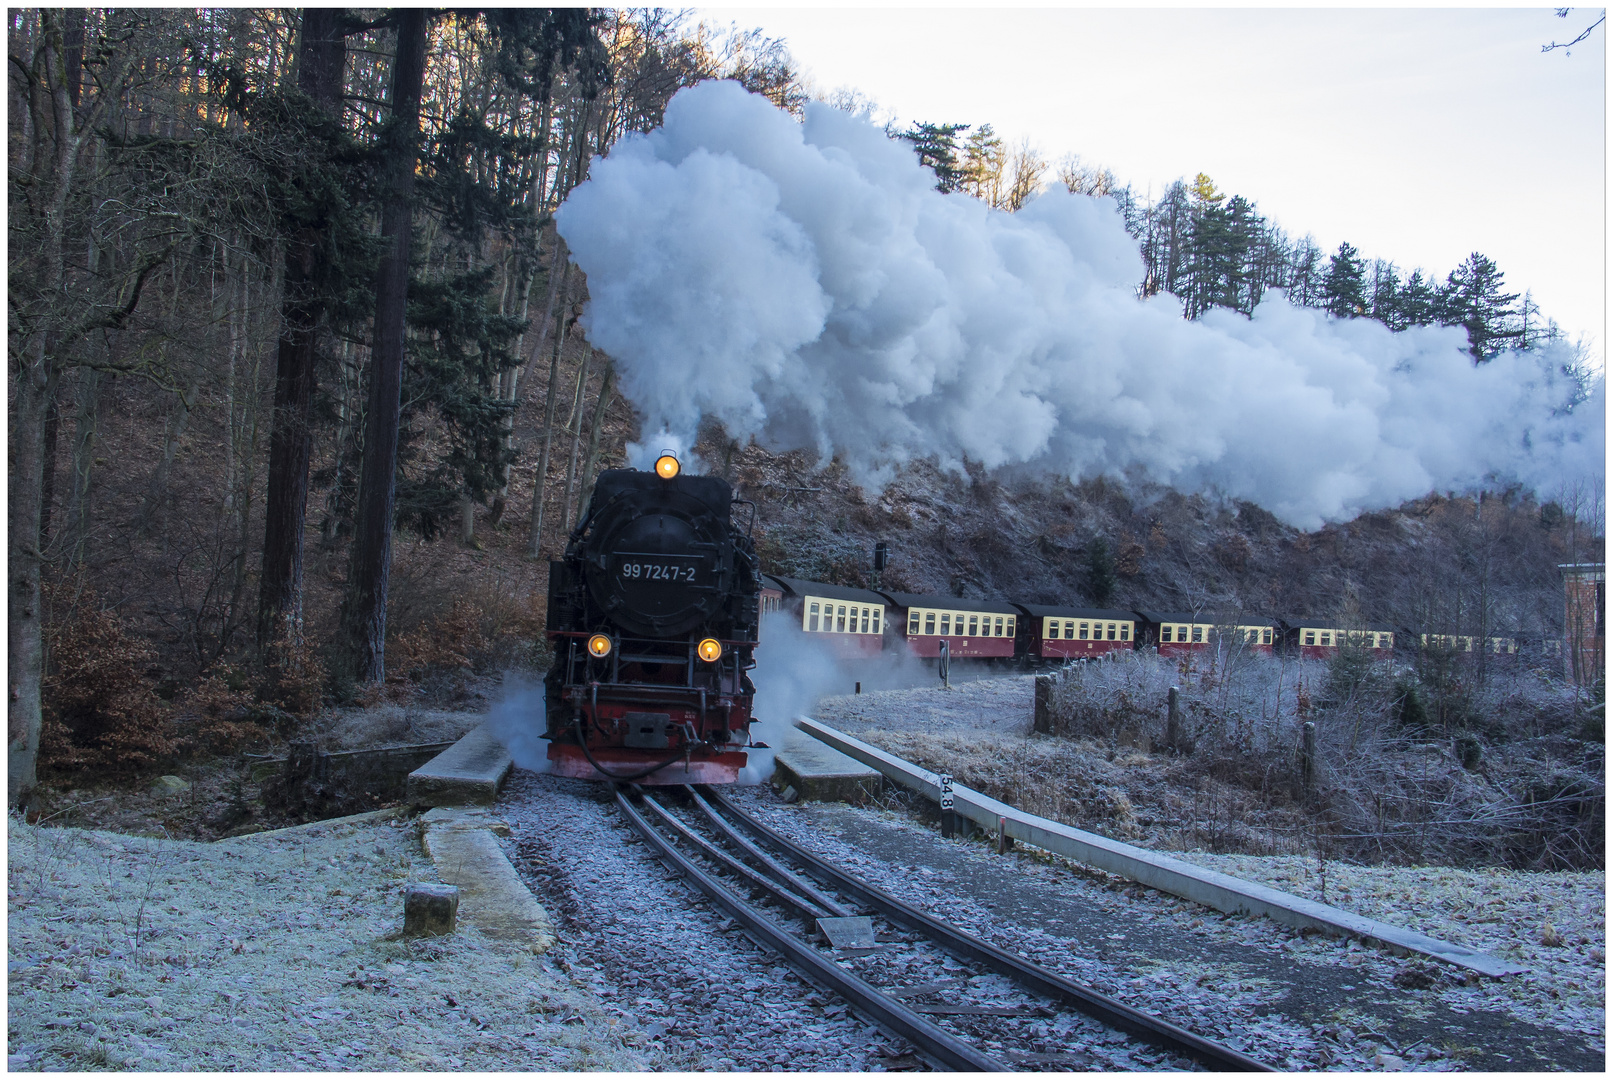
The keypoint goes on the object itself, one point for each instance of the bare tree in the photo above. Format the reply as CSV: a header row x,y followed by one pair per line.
x,y
321,63
364,610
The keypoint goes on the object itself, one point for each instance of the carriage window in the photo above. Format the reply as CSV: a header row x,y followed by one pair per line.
x,y
946,623
1125,631
974,625
1265,637
840,619
999,626
877,613
814,624
865,620
1083,632
1198,633
929,622
1069,630
912,623
1164,633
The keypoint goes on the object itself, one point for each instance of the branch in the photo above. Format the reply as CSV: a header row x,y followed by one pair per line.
x,y
1562,13
114,319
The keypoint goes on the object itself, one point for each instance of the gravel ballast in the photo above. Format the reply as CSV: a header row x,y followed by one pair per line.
x,y
270,952
660,955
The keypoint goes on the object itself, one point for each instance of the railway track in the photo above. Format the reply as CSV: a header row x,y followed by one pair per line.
x,y
741,865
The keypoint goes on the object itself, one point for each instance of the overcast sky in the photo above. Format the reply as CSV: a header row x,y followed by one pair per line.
x,y
1416,135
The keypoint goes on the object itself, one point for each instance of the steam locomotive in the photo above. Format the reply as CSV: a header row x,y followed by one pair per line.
x,y
653,617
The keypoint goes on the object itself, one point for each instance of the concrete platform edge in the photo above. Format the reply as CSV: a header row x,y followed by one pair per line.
x,y
463,846
1220,891
471,772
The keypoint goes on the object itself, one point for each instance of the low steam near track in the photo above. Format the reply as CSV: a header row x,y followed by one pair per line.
x,y
804,283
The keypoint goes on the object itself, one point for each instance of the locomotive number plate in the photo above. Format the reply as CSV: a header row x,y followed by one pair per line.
x,y
681,569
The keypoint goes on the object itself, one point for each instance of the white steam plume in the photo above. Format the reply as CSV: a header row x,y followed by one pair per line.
x,y
805,284
516,720
795,670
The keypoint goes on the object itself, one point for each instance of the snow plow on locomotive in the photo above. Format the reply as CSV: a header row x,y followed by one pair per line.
x,y
653,619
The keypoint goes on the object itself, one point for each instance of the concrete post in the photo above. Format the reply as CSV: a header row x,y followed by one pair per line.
x,y
1173,721
1307,760
429,910
1042,717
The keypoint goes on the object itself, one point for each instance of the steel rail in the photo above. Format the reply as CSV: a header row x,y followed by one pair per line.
x,y
771,866
807,909
941,1047
1032,976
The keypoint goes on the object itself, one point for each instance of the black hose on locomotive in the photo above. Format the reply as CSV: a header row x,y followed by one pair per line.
x,y
653,617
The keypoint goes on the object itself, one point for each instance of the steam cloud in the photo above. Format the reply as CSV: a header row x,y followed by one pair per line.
x,y
805,284
516,720
795,670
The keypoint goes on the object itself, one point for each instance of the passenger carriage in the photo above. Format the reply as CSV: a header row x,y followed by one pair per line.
x,y
1502,645
1181,633
977,629
850,622
1054,634
1321,639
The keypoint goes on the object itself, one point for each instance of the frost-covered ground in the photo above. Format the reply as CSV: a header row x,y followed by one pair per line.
x,y
269,953
1553,922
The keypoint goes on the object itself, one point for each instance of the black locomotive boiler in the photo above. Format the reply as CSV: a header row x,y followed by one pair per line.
x,y
653,618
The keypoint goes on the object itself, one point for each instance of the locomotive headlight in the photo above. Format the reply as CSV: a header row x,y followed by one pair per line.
x,y
600,645
710,650
666,466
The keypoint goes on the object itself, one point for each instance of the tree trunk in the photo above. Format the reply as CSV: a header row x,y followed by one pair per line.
x,y
576,437
541,476
157,489
36,386
601,404
47,492
83,465
57,135
364,612
323,58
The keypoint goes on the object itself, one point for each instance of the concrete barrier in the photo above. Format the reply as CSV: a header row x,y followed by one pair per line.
x,y
1220,891
468,773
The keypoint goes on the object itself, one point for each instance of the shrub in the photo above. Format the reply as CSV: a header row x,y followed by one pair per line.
x,y
220,714
1509,784
100,711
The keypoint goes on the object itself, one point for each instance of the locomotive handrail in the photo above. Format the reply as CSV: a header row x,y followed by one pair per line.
x,y
751,523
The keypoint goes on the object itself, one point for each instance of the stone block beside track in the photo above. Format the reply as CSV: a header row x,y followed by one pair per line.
x,y
823,774
468,773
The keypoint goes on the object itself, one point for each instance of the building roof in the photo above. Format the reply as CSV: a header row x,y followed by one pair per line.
x,y
949,603
798,587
